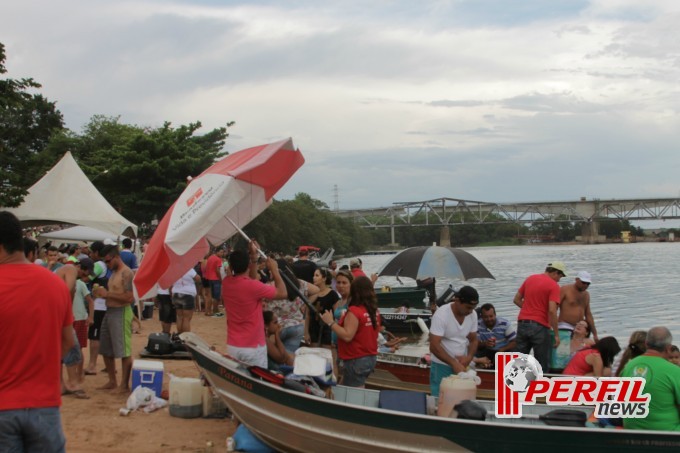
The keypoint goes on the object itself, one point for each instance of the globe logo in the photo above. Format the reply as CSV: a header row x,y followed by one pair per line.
x,y
521,371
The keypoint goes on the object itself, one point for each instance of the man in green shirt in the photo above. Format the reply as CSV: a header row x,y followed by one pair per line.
x,y
662,382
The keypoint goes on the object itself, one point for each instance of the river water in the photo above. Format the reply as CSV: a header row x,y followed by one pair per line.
x,y
635,286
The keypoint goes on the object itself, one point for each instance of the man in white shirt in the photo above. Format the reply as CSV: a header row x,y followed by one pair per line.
x,y
453,336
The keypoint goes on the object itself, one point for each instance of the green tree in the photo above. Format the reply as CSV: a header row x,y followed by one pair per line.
x,y
287,224
612,228
27,121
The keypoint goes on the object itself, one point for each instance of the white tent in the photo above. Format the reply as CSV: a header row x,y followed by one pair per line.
x,y
78,233
65,195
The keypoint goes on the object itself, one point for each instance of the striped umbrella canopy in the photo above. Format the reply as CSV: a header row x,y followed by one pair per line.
x,y
434,261
227,195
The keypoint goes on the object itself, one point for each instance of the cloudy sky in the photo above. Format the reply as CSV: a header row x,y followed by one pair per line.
x,y
491,100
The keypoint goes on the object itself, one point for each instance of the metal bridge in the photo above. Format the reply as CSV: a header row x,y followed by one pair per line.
x,y
454,211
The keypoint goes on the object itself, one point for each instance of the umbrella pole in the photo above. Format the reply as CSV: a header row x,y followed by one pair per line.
x,y
295,288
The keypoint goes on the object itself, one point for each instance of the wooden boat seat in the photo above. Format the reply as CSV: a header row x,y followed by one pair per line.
x,y
356,396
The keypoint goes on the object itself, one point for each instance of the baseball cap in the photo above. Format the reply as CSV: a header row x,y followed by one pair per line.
x,y
559,265
467,294
584,277
354,262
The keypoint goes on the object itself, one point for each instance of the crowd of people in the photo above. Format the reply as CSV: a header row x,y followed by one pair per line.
x,y
273,306
555,323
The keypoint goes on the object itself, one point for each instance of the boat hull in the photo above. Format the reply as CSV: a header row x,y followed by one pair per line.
x,y
296,422
408,372
404,323
399,297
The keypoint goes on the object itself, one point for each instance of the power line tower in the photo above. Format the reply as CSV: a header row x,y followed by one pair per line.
x,y
336,201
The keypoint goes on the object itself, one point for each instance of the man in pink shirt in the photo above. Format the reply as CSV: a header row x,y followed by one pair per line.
x,y
242,293
538,298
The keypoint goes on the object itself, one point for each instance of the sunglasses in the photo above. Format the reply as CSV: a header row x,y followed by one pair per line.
x,y
585,283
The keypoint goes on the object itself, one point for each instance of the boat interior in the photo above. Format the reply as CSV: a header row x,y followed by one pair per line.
x,y
407,401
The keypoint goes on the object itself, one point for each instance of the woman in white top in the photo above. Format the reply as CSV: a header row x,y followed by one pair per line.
x,y
184,299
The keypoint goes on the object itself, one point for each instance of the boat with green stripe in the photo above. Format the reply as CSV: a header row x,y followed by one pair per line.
x,y
352,421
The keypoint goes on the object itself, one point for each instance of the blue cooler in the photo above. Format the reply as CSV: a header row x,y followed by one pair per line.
x,y
148,373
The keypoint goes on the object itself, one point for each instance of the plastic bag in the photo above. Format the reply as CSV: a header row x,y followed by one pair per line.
x,y
145,398
245,440
470,374
313,361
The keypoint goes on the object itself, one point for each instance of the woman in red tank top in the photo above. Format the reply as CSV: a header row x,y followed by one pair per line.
x,y
595,360
357,333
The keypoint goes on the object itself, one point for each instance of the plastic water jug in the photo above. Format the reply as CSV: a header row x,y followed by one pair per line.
x,y
186,397
453,390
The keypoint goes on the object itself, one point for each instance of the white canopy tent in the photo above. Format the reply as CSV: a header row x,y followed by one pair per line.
x,y
76,234
65,195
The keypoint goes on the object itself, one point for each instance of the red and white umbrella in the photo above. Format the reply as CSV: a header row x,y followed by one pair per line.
x,y
235,189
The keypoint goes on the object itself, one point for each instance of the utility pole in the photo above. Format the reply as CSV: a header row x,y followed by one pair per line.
x,y
336,201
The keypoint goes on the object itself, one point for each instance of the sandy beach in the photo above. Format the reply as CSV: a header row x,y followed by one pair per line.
x,y
96,425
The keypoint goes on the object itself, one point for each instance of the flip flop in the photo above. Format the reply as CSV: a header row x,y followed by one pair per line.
x,y
78,394
90,373
81,395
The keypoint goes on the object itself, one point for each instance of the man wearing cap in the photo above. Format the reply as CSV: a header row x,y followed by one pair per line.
x,y
574,307
304,268
355,267
538,298
575,304
453,336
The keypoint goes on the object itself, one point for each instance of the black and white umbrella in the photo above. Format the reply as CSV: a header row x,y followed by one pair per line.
x,y
434,261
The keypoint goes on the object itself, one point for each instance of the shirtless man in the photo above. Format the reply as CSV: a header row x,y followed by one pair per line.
x,y
575,304
116,332
574,307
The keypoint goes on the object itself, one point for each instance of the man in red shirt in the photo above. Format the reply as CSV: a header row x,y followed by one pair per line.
x,y
355,266
538,298
31,348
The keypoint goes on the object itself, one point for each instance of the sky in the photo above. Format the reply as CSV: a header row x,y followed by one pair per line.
x,y
389,101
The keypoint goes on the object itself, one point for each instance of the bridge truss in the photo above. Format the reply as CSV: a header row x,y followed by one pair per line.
x,y
454,211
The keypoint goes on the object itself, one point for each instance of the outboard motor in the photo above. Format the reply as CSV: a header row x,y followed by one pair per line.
x,y
446,297
428,285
